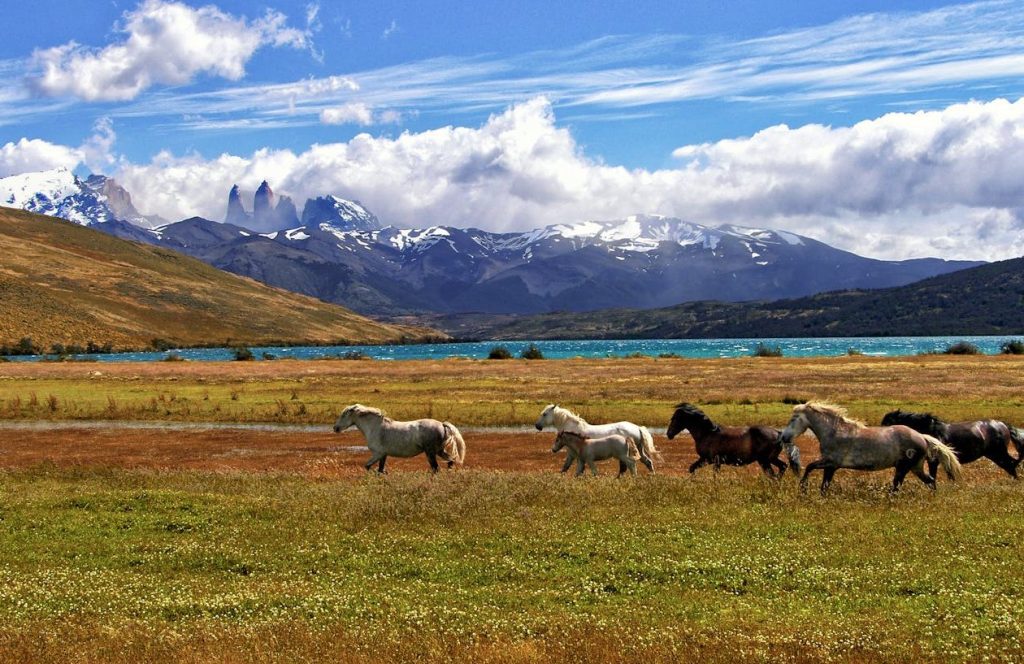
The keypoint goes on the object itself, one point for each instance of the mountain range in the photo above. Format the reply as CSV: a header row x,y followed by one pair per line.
x,y
338,251
988,299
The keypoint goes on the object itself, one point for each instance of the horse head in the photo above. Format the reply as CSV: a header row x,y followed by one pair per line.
x,y
686,416
798,423
545,417
348,417
565,438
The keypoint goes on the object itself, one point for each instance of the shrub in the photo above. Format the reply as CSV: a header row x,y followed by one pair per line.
x,y
669,356
172,357
531,352
499,353
852,352
764,350
354,355
962,348
269,356
1012,347
793,401
243,354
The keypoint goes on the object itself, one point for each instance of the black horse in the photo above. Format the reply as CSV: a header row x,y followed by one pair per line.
x,y
970,440
737,446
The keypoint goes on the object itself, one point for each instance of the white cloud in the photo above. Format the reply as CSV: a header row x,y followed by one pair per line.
x,y
390,30
32,154
352,113
931,183
165,43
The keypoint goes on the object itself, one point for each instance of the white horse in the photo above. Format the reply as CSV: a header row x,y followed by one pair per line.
x,y
563,419
386,437
589,450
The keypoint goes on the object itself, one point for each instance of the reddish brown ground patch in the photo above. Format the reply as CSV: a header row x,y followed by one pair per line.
x,y
283,451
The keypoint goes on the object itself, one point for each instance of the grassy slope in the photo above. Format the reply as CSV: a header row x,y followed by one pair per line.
x,y
60,282
982,300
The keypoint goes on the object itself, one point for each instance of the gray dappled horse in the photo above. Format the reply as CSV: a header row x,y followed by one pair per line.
x,y
847,443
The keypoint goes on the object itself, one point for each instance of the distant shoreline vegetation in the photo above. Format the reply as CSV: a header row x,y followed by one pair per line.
x,y
646,349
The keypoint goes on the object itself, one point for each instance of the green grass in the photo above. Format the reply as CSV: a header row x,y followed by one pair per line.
x,y
187,566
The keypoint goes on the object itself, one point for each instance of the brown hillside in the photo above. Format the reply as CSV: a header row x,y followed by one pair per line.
x,y
64,283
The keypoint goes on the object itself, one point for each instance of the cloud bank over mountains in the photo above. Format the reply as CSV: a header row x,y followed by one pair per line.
x,y
905,184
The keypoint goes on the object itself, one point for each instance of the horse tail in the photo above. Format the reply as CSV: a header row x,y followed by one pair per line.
x,y
631,449
453,445
790,448
647,440
939,451
1017,438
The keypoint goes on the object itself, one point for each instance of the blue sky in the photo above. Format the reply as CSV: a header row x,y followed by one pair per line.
x,y
240,91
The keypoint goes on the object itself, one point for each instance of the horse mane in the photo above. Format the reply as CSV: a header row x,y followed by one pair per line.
x,y
924,418
838,414
360,409
562,415
696,413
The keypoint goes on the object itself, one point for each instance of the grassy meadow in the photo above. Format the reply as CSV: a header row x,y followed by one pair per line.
x,y
106,562
511,392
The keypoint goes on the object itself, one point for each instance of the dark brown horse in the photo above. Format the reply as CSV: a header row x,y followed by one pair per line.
x,y
970,440
737,446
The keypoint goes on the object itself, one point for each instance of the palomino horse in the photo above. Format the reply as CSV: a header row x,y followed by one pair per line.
x,y
589,450
735,446
386,437
970,440
566,420
847,443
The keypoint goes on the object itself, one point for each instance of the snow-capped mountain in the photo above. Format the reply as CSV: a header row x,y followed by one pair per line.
x,y
640,261
340,253
338,213
60,193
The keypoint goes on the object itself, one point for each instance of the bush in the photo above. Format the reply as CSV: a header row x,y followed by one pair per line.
x,y
669,356
499,353
764,350
269,356
354,355
853,352
531,352
793,401
962,348
172,357
1012,347
243,354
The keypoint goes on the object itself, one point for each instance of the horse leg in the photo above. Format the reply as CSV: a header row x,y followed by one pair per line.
x,y
432,460
814,465
377,457
902,468
1002,458
632,467
593,467
766,467
644,459
380,465
933,467
697,464
826,481
580,465
929,480
570,456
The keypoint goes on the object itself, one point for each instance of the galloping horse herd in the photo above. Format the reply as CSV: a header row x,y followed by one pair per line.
x,y
908,442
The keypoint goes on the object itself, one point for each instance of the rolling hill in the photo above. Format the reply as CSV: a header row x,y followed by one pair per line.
x,y
982,300
65,283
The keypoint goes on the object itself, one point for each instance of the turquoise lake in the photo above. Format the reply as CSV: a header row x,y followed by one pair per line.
x,y
694,348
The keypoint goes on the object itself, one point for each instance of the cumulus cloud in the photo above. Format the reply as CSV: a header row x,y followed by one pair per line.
x,y
32,154
166,43
905,184
353,113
